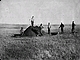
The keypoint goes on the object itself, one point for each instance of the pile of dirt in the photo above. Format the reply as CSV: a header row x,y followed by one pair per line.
x,y
34,31
31,31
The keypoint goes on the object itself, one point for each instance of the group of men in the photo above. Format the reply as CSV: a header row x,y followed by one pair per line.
x,y
62,26
41,26
49,26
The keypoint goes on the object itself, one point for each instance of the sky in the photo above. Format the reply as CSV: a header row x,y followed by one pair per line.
x,y
44,11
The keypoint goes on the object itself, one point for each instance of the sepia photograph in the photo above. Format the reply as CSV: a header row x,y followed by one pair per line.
x,y
40,30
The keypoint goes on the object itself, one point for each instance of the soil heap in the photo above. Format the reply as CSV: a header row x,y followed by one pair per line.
x,y
33,31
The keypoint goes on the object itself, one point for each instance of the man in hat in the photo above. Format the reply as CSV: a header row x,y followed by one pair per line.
x,y
73,26
61,26
32,21
49,28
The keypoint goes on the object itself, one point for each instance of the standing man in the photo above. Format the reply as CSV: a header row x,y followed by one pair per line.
x,y
49,28
32,21
41,27
73,26
61,26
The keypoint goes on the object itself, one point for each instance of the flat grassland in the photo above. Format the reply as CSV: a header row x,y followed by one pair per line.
x,y
57,47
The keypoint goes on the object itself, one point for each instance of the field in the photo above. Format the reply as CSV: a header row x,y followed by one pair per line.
x,y
64,46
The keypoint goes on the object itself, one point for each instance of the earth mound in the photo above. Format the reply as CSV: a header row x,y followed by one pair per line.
x,y
34,31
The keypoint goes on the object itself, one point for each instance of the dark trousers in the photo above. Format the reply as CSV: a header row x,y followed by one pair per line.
x,y
48,30
72,30
32,23
62,30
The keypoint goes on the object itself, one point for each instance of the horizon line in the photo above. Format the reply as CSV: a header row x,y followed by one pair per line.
x,y
34,24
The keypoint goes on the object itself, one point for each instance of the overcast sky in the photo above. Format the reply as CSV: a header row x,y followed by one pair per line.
x,y
44,11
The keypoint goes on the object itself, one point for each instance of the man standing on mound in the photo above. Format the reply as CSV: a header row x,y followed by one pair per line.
x,y
73,26
32,21
61,26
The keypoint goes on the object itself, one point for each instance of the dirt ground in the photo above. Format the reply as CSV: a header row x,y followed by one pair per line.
x,y
57,47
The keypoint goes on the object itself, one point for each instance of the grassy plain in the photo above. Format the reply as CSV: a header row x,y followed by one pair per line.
x,y
57,47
